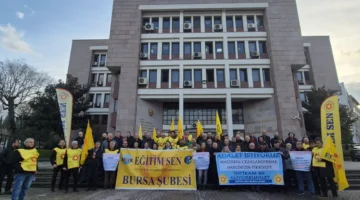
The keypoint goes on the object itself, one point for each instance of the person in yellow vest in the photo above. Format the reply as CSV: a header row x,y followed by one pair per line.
x,y
57,160
25,164
109,181
173,139
306,144
182,145
323,170
72,164
162,141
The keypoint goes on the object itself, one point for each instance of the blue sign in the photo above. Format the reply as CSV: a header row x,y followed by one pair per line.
x,y
249,168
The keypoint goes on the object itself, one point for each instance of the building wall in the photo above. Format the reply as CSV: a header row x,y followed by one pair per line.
x,y
80,58
143,117
322,62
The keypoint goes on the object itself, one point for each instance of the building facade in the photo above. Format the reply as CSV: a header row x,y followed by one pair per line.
x,y
245,59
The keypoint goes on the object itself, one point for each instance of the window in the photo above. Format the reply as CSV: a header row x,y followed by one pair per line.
x,y
210,75
220,76
229,22
144,47
166,23
256,74
174,76
243,75
91,98
175,48
241,47
239,22
165,49
96,58
108,78
104,119
197,47
197,22
146,20
231,47
303,96
96,119
219,47
93,78
209,47
208,22
252,46
164,75
250,19
170,110
175,23
299,76
237,113
187,48
102,59
204,111
107,98
115,105
155,21
153,48
262,47
152,76
101,78
198,75
260,21
266,75
187,75
187,19
307,76
217,20
98,99
143,73
233,74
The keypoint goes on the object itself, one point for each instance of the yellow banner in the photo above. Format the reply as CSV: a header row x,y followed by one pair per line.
x,y
156,170
65,100
330,124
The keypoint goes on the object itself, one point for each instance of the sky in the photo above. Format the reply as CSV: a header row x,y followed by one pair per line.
x,y
41,31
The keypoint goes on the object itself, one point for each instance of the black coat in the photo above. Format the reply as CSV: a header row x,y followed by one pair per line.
x,y
213,173
267,140
93,162
6,156
80,141
148,140
328,171
272,141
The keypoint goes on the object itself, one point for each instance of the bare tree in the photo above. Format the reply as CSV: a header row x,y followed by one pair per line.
x,y
18,82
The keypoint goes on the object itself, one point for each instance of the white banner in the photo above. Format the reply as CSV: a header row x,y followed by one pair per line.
x,y
110,161
301,160
202,160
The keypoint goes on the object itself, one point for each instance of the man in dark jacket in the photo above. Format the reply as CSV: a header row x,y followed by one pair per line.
x,y
106,143
119,139
284,155
80,139
276,137
147,138
93,164
291,139
266,139
130,140
7,165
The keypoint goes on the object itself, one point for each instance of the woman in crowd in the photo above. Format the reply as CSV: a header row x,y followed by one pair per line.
x,y
109,181
146,145
214,176
167,146
136,145
209,143
238,148
155,146
291,139
202,173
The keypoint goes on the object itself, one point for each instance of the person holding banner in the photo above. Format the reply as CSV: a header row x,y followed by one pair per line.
x,y
284,155
162,141
182,145
167,146
173,139
154,146
93,165
202,161
72,165
214,178
57,160
109,181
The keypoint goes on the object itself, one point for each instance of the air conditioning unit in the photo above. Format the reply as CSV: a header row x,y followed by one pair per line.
x,y
149,27
187,84
300,82
254,54
187,26
102,63
218,27
143,56
98,105
95,63
234,83
142,81
251,26
197,55
99,83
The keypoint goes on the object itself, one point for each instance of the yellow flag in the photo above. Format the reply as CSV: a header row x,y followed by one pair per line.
x,y
330,154
154,134
199,129
140,132
218,125
180,129
172,125
88,143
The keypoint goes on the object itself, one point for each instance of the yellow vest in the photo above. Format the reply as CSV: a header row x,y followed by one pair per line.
x,y
305,146
182,148
73,156
173,142
112,152
30,156
60,154
161,142
316,154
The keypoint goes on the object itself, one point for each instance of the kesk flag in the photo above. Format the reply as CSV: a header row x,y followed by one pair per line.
x,y
172,125
180,129
65,100
218,125
140,132
330,124
156,170
199,129
330,154
88,143
154,134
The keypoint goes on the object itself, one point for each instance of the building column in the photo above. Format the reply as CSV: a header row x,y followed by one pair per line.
x,y
229,121
250,78
181,48
225,50
202,25
223,19
158,78
181,76
181,22
181,106
261,77
227,76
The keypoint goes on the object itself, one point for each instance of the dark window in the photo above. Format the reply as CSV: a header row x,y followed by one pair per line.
x,y
241,47
237,113
170,110
197,22
102,59
146,20
217,20
165,49
144,48
256,74
197,47
243,75
164,75
205,112
93,78
187,75
91,98
143,73
307,76
155,21
233,74
96,57
219,47
198,75
250,19
208,22
187,19
104,119
107,98
299,76
152,76
260,21
303,96
210,75
96,119
166,22
262,47
252,46
187,48
175,22
209,47
175,48
153,48
231,47
98,98
101,78
239,22
220,76
229,22
108,78
174,75
266,75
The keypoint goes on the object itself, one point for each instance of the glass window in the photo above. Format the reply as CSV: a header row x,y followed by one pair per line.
x,y
252,46
208,22
91,98
146,20
115,105
164,75
101,78
237,113
187,75
103,58
152,76
96,57
266,75
217,20
107,98
104,119
98,98
299,76
108,78
198,75
262,47
241,47
153,48
256,74
197,47
93,78
210,75
175,48
197,22
307,76
174,75
143,73
144,47
239,22
187,48
250,19
165,48
220,76
233,74
209,47
219,47
260,21
175,22
229,22
170,110
303,96
187,19
166,22
155,21
231,47
243,75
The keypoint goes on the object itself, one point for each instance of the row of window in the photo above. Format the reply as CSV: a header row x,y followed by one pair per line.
x,y
99,100
99,60
233,23
99,119
213,50
100,79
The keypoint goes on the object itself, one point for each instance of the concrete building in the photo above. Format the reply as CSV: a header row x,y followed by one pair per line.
x,y
191,58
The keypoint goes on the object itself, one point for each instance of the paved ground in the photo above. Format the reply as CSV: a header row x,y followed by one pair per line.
x,y
45,194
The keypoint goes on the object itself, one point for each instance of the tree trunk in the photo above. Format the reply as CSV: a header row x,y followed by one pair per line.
x,y
11,109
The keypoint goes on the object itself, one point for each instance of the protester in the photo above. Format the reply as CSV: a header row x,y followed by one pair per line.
x,y
202,173
284,155
192,144
266,139
173,139
182,145
106,143
146,145
226,149
125,144
93,163
7,167
161,141
306,144
130,140
72,165
119,140
238,148
291,139
103,137
289,173
214,176
275,138
109,181
26,166
155,146
202,138
136,145
167,146
263,147
245,145
137,140
147,139
57,160
251,147
227,144
80,139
